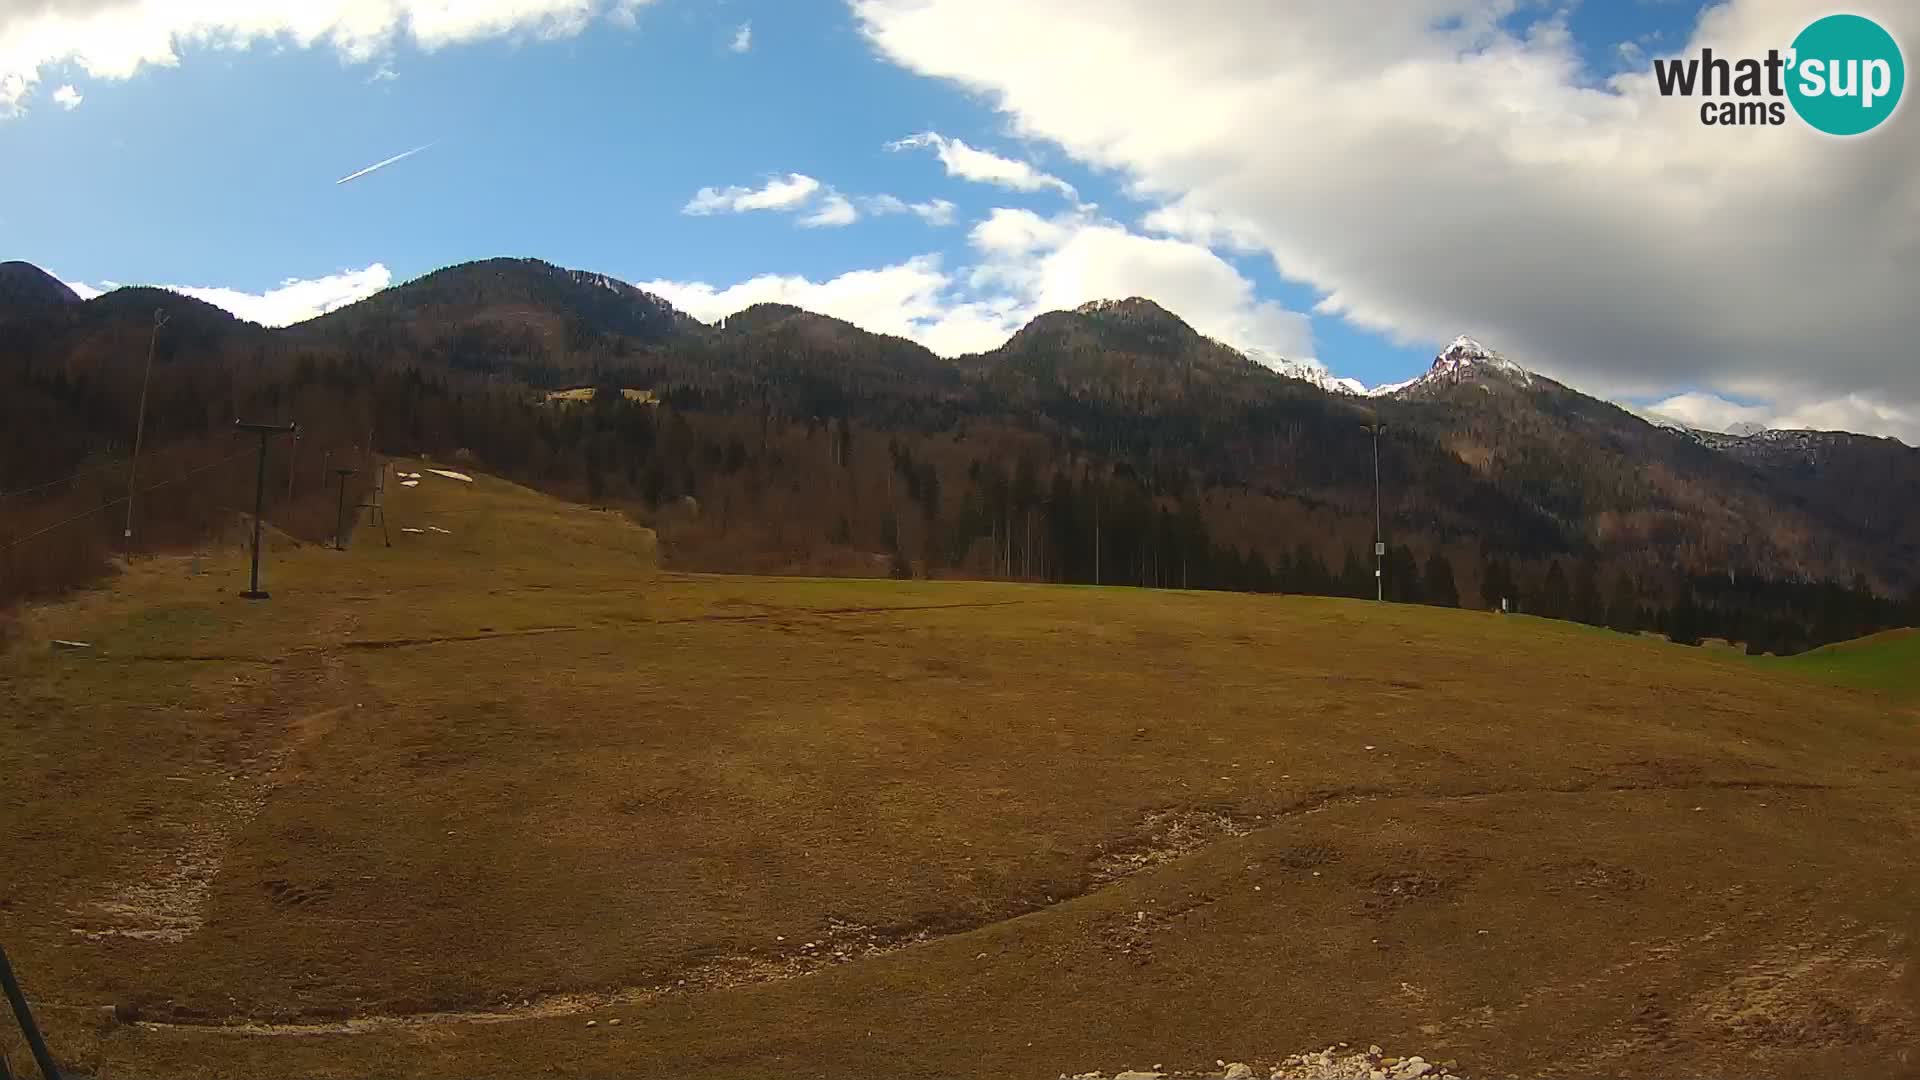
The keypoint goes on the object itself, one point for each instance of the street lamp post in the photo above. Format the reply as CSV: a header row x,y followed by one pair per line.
x,y
140,426
1379,543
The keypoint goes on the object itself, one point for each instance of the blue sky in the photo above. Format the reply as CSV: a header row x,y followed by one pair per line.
x,y
583,144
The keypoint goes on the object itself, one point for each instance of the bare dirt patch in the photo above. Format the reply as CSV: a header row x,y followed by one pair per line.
x,y
1161,837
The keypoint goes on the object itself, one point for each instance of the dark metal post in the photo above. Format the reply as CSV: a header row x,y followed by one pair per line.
x,y
1379,541
340,512
260,496
140,427
25,1015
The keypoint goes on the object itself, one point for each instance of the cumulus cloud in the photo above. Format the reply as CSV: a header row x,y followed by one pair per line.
x,y
826,207
833,212
113,39
1848,412
87,292
933,212
742,38
984,166
780,193
294,300
1428,166
1711,412
912,299
1021,265
1065,261
68,98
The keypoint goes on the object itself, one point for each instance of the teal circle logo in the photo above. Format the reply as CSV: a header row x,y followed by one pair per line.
x,y
1846,75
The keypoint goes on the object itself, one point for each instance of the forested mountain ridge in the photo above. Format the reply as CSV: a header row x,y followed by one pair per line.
x,y
510,316
1111,443
26,286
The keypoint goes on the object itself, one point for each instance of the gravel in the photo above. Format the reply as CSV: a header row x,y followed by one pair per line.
x,y
1333,1063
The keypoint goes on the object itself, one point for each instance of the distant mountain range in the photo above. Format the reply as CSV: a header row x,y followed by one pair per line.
x,y
1481,451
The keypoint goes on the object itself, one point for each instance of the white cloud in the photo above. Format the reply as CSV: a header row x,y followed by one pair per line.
x,y
742,38
1710,412
780,193
1427,169
827,207
912,299
87,292
1023,265
68,98
933,212
113,39
1065,261
1849,412
1853,412
984,166
295,300
936,212
834,211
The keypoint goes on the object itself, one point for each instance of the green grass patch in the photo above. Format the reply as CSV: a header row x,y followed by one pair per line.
x,y
1887,662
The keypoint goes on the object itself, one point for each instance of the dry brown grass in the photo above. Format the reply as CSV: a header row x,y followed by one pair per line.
x,y
513,774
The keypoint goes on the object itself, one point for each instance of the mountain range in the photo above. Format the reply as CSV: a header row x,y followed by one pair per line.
x,y
1480,454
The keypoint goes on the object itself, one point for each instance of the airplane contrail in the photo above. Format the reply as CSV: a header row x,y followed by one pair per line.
x,y
381,164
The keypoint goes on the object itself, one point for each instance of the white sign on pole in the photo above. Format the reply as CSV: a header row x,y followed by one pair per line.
x,y
1379,547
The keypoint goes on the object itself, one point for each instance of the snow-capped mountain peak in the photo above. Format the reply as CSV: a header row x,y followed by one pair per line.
x,y
1467,353
1463,360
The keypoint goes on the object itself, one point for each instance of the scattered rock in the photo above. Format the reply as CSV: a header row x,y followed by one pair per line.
x,y
1333,1063
593,1023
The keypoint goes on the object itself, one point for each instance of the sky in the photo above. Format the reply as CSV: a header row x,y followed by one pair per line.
x,y
1347,184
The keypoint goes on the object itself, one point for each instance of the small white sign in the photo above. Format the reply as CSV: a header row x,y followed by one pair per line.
x,y
1379,547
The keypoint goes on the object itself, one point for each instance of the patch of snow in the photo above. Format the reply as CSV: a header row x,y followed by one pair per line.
x,y
410,529
451,475
1308,371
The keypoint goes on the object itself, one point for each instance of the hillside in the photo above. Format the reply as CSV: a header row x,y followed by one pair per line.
x,y
25,288
503,315
1868,484
1110,443
459,804
1620,483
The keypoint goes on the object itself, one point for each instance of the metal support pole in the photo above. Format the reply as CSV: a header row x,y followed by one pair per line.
x,y
260,496
340,512
293,462
140,426
25,1015
1379,540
